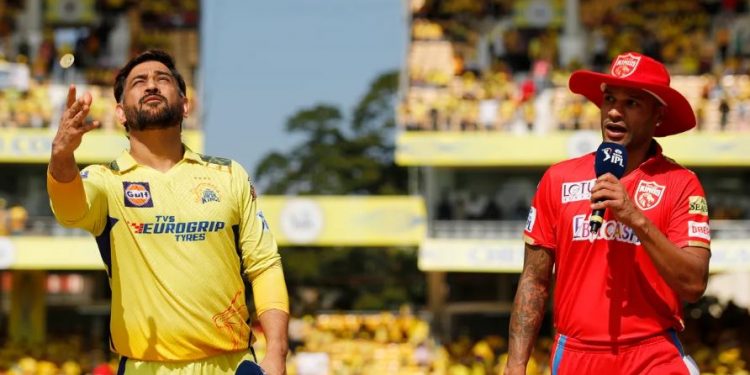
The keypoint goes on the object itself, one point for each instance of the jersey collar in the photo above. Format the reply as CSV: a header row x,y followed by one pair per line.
x,y
655,154
192,155
125,161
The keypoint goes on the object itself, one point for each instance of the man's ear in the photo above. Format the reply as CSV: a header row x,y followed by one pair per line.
x,y
120,112
660,114
185,106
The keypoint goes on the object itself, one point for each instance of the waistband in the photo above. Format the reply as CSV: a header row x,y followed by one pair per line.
x,y
573,344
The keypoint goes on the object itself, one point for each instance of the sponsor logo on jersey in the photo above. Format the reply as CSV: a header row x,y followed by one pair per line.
x,y
699,229
205,193
263,221
253,194
625,65
531,219
137,194
184,231
698,205
648,194
577,191
611,230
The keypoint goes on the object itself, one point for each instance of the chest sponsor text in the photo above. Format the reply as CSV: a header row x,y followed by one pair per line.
x,y
183,231
577,191
611,230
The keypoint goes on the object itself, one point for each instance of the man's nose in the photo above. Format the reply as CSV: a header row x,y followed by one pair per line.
x,y
151,85
614,112
152,88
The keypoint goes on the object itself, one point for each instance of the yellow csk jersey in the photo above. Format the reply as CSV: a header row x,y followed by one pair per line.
x,y
175,245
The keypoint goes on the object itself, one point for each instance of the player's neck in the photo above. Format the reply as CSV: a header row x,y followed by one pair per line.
x,y
638,156
159,149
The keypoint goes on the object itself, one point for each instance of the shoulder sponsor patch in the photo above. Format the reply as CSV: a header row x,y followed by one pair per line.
x,y
698,205
531,219
648,194
577,191
699,229
137,194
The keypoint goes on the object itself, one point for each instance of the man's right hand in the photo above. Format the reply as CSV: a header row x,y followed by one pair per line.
x,y
72,127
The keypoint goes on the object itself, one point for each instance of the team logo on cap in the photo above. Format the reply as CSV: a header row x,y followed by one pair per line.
x,y
625,65
137,194
648,194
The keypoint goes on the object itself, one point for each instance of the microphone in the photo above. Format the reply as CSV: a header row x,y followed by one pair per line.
x,y
610,158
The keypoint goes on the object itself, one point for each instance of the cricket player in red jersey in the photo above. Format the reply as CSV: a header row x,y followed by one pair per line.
x,y
619,291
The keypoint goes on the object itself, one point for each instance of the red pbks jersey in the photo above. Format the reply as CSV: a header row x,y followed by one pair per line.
x,y
607,288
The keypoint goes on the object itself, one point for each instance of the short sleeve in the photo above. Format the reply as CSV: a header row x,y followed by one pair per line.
x,y
688,224
541,222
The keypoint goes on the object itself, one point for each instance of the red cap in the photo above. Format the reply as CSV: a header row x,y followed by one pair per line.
x,y
635,70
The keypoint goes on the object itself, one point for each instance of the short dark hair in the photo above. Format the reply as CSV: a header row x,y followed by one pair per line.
x,y
150,55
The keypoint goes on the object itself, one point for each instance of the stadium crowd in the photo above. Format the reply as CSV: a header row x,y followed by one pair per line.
x,y
489,65
402,343
101,35
471,68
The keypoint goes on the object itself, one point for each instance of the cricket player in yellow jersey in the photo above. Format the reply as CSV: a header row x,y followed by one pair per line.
x,y
177,232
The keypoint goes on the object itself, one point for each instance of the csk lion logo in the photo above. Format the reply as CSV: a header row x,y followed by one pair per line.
x,y
232,321
205,193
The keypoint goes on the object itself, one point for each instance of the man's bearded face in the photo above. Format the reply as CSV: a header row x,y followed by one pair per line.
x,y
153,111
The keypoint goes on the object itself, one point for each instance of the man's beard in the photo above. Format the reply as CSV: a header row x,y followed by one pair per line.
x,y
141,117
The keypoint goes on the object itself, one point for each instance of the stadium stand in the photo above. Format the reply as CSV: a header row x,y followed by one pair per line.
x,y
482,67
497,69
473,66
52,319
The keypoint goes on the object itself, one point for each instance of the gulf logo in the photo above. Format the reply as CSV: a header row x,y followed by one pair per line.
x,y
137,194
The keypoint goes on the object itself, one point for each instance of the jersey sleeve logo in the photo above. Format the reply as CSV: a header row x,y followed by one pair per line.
x,y
531,219
648,194
137,194
263,221
698,205
699,229
253,194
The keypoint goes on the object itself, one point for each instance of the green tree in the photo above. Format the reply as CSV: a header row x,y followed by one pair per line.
x,y
341,155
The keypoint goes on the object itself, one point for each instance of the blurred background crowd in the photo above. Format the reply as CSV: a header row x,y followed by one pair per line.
x,y
399,342
472,66
496,65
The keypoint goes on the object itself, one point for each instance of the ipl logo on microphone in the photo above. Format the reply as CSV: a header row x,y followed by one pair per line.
x,y
614,156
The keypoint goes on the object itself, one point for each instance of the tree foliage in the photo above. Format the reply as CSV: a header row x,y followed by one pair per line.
x,y
341,155
338,154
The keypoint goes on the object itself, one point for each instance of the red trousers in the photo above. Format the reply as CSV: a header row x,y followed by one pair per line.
x,y
658,355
